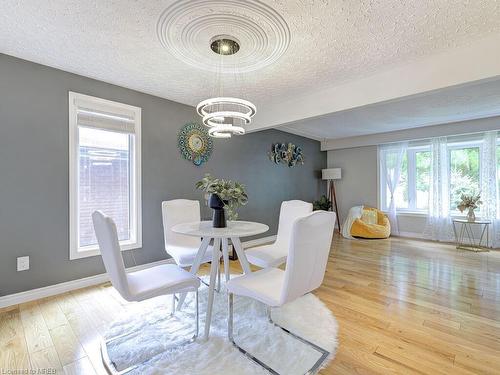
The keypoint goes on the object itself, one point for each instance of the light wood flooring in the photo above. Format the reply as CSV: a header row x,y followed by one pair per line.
x,y
403,307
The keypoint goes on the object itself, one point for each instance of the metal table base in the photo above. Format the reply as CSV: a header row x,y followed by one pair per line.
x,y
464,235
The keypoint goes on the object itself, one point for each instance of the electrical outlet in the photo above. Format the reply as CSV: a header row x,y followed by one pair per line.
x,y
23,263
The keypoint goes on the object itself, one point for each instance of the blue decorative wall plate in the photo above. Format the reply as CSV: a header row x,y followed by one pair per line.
x,y
289,154
194,143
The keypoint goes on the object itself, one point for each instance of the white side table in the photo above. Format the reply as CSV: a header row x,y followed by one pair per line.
x,y
464,235
234,230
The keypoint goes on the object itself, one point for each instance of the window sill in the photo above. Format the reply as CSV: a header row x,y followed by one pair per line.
x,y
425,214
92,251
412,214
409,213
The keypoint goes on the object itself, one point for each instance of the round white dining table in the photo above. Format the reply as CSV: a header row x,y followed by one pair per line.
x,y
234,231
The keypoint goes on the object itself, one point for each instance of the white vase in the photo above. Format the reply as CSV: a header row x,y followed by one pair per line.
x,y
470,215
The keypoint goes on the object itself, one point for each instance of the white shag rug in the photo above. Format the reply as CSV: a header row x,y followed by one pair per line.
x,y
151,336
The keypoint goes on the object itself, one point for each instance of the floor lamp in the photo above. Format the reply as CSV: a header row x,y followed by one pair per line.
x,y
330,175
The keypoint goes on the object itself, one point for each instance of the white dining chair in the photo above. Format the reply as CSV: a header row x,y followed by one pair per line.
x,y
274,255
309,248
182,248
139,285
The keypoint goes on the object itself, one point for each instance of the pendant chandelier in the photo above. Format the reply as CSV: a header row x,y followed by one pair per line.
x,y
225,115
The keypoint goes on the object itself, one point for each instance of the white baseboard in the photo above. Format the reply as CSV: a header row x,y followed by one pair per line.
x,y
258,241
52,290
411,235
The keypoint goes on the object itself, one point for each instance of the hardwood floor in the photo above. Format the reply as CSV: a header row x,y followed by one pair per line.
x,y
403,306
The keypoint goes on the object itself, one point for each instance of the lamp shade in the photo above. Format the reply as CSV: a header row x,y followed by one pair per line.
x,y
331,174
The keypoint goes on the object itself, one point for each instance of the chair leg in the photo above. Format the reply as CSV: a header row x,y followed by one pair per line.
x,y
230,316
218,288
203,281
230,308
110,365
312,370
197,316
268,314
173,305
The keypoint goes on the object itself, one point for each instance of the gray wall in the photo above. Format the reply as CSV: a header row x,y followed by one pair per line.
x,y
34,172
357,156
358,185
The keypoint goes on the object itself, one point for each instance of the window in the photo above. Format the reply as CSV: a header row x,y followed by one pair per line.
x,y
422,179
412,192
104,171
464,173
463,161
401,194
498,180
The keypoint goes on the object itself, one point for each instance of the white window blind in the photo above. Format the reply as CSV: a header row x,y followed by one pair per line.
x,y
100,120
96,114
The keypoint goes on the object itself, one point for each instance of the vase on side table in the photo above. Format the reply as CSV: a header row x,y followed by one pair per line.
x,y
471,216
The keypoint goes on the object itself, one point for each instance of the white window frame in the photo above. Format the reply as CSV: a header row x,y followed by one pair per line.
x,y
411,158
460,146
136,202
412,178
461,143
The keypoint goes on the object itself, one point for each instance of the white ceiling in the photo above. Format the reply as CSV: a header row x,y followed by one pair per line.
x,y
452,104
328,44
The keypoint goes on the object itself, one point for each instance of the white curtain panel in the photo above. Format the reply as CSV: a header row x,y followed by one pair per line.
x,y
489,185
394,154
439,226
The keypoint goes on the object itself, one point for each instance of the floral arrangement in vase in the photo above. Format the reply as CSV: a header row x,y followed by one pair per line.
x,y
226,197
470,202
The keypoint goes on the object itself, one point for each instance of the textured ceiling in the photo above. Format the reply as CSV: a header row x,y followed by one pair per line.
x,y
453,104
187,28
126,42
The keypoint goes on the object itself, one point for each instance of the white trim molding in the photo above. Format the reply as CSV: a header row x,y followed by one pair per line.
x,y
414,134
52,290
110,113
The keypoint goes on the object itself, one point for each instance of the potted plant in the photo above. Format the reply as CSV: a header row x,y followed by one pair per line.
x,y
470,202
322,203
225,197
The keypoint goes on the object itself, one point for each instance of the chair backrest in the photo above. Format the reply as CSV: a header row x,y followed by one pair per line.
x,y
308,254
178,211
289,212
107,238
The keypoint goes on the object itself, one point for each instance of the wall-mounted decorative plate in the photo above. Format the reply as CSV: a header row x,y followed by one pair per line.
x,y
286,153
194,143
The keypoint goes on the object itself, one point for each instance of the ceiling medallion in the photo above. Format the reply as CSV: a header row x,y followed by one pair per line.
x,y
185,29
225,116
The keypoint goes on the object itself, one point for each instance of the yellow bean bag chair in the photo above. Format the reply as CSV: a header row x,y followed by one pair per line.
x,y
372,224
